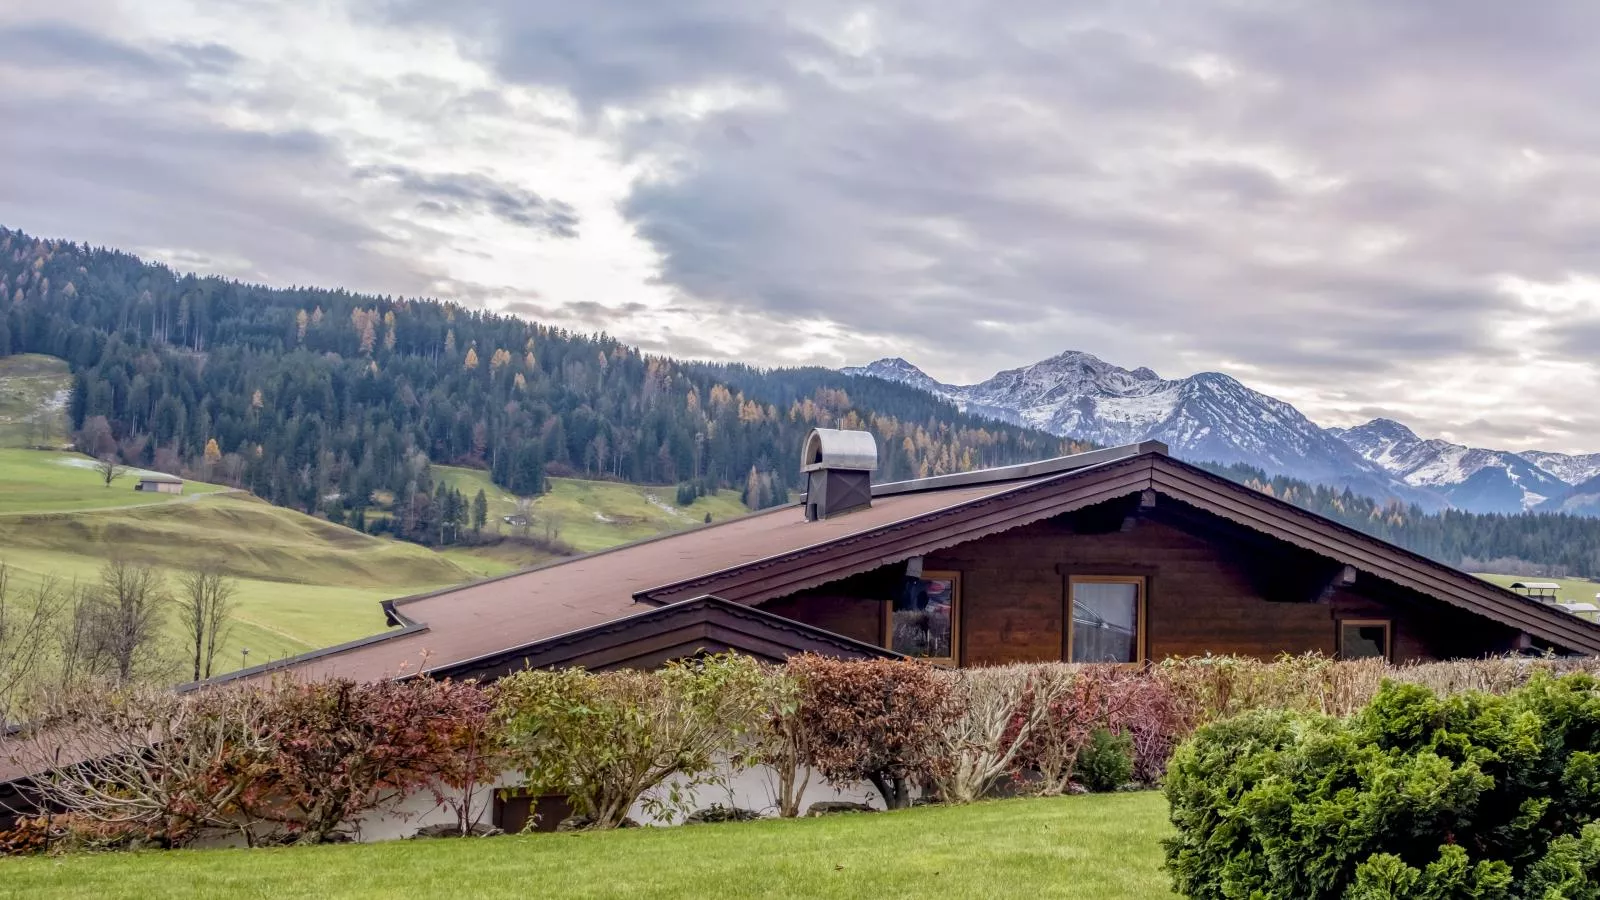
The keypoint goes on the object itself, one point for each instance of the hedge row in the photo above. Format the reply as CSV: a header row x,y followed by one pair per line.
x,y
285,761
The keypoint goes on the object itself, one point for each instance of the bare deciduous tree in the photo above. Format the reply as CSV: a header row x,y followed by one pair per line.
x,y
95,437
205,606
24,633
74,644
128,610
110,470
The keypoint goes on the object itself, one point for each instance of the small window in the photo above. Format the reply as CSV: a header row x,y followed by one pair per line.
x,y
1364,639
923,620
1106,621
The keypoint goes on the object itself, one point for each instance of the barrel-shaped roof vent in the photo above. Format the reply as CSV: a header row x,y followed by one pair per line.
x,y
838,466
831,448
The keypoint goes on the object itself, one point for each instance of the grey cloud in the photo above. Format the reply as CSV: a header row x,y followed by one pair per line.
x,y
1237,182
59,44
1329,192
1061,171
453,194
232,201
622,50
46,44
587,313
210,58
525,308
1576,336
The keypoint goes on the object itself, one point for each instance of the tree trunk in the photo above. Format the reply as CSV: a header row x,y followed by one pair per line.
x,y
896,792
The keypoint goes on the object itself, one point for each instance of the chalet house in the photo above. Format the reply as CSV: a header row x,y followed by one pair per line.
x,y
1123,555
161,484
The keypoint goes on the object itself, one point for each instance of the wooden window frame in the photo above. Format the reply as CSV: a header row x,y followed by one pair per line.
x,y
1142,613
955,619
1388,635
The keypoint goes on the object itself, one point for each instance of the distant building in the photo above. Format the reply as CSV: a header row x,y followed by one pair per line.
x,y
1539,590
1583,610
162,484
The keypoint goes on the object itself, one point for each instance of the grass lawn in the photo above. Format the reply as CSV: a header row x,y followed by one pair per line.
x,y
34,391
47,481
594,515
1573,590
303,583
1104,847
496,559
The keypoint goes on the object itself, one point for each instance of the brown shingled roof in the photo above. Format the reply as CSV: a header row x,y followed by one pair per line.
x,y
516,610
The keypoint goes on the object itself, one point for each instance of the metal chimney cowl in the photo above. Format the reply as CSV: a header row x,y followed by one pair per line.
x,y
838,466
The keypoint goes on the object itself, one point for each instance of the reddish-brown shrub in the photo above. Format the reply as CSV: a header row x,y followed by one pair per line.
x,y
146,765
263,760
873,720
341,749
27,837
1147,710
1094,697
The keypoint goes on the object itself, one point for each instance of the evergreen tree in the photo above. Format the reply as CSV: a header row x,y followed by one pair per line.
x,y
480,512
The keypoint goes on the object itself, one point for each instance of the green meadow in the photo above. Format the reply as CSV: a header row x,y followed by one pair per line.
x,y
594,515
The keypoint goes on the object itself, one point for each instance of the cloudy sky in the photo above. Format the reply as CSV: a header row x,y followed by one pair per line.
x,y
1365,208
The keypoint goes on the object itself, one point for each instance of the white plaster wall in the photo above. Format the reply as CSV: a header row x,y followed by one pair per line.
x,y
423,808
399,820
753,789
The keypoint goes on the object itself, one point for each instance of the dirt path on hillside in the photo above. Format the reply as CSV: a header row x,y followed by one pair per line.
x,y
187,498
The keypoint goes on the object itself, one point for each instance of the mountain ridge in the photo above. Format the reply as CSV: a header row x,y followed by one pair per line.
x,y
1213,417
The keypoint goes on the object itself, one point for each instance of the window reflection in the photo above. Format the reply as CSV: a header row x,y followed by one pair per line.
x,y
923,623
1364,639
1105,620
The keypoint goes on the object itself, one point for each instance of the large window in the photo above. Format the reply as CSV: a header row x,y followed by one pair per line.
x,y
924,619
1364,638
1106,624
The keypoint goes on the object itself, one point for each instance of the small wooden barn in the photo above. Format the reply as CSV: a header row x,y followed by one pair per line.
x,y
161,484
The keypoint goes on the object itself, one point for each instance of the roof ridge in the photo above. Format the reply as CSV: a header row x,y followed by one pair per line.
x,y
1055,465
389,605
1023,485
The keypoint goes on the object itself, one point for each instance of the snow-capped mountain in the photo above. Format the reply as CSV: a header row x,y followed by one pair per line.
x,y
1584,500
1211,417
1469,477
1205,417
1574,469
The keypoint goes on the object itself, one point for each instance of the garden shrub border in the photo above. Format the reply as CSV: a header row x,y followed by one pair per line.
x,y
297,761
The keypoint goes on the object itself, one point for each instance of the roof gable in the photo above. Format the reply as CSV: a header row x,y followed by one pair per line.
x,y
655,636
766,579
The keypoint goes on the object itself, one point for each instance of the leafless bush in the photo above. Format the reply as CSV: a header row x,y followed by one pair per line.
x,y
999,710
148,762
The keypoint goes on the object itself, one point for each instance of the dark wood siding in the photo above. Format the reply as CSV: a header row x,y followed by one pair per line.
x,y
1209,590
852,607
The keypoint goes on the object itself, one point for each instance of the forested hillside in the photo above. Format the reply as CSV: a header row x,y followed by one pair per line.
x,y
1553,544
333,402
329,401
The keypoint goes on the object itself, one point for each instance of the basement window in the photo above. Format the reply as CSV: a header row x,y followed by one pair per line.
x,y
1364,639
1106,618
923,622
